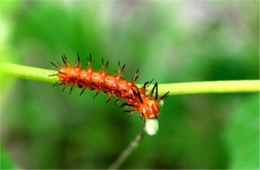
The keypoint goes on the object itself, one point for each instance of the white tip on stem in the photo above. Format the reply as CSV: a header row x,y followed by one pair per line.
x,y
151,126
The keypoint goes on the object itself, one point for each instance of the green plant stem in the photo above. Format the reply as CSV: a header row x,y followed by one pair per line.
x,y
236,86
27,72
128,150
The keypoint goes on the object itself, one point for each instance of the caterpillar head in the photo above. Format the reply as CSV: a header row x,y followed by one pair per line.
x,y
150,114
150,104
150,108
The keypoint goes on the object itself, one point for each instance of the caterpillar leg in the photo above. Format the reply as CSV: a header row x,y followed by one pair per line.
x,y
52,75
78,61
57,84
82,91
71,88
110,96
104,66
120,70
65,60
90,61
135,76
155,87
56,66
125,104
96,94
165,95
117,100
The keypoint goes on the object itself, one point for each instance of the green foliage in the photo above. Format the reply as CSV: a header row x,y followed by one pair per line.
x,y
5,162
170,41
242,135
7,7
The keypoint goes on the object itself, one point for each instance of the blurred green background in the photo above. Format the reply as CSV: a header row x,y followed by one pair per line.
x,y
169,41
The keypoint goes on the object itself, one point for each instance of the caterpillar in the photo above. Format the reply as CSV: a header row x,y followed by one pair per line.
x,y
147,105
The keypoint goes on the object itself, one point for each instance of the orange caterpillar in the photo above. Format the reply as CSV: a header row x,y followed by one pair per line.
x,y
136,98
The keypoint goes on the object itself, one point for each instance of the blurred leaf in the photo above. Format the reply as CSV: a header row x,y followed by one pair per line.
x,y
242,135
8,7
5,162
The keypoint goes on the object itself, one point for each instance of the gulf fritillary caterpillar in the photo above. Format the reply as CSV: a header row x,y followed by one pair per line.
x,y
146,104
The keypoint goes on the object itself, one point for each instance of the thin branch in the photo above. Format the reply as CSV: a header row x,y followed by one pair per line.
x,y
237,86
128,150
